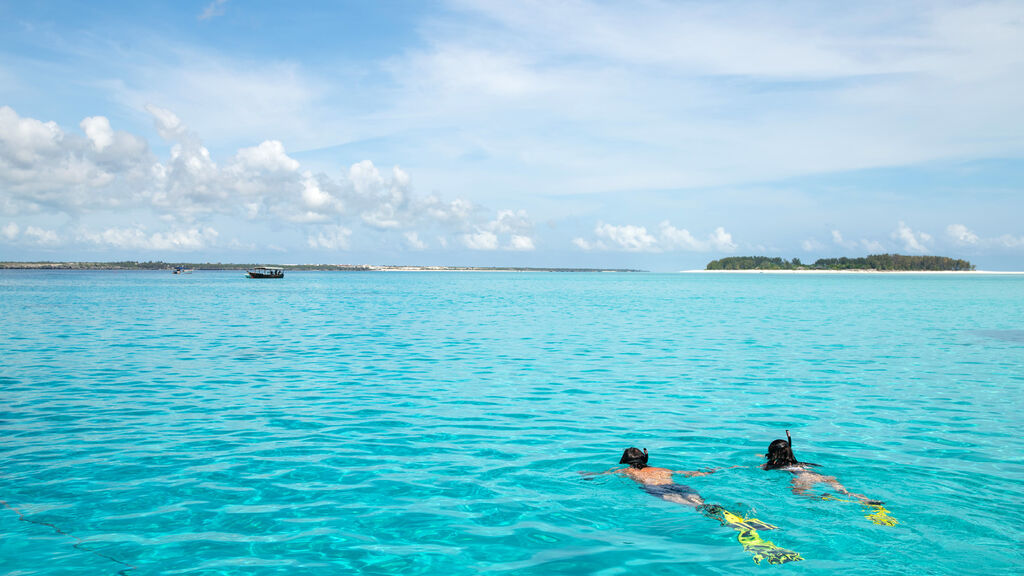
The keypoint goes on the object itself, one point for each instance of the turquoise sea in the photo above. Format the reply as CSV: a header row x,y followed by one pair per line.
x,y
437,423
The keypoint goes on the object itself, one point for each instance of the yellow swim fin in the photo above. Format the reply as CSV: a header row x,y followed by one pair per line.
x,y
880,516
759,548
746,523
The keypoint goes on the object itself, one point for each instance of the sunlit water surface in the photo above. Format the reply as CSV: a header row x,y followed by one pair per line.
x,y
436,423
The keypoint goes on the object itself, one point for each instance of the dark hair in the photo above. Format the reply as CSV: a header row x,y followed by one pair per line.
x,y
780,455
634,457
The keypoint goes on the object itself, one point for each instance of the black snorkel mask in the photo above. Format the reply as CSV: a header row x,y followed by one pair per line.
x,y
780,453
634,457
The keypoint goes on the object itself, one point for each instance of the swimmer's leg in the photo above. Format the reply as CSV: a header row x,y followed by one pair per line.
x,y
878,515
675,493
693,500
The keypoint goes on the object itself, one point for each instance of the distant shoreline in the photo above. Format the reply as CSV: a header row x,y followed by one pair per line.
x,y
208,266
864,271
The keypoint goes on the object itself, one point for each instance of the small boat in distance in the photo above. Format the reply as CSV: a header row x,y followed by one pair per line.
x,y
182,270
266,272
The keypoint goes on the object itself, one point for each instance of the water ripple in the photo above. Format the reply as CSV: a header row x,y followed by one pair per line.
x,y
436,423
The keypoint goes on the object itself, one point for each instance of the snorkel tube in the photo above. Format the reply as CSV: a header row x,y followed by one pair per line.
x,y
780,454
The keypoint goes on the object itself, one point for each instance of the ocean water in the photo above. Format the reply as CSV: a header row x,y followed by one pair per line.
x,y
437,423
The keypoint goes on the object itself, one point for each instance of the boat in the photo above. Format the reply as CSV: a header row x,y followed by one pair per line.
x,y
182,270
265,272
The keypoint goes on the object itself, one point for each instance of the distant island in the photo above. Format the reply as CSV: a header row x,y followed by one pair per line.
x,y
158,265
877,262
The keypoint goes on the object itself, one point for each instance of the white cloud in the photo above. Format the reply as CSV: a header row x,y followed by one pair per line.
x,y
457,212
481,240
41,236
412,240
98,129
25,141
215,8
269,156
912,241
583,244
812,245
1009,241
961,235
511,221
138,238
514,225
721,240
10,231
679,238
167,123
315,199
872,246
42,168
331,238
631,238
521,243
49,170
627,237
471,72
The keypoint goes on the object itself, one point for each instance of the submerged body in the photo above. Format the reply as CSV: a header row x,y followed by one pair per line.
x,y
659,481
804,479
780,457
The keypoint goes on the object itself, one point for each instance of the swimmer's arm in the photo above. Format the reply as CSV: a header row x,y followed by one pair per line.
x,y
704,472
610,471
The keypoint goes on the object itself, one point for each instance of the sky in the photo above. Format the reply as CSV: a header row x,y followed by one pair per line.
x,y
642,134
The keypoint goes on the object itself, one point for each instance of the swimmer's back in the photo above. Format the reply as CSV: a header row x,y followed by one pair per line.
x,y
650,475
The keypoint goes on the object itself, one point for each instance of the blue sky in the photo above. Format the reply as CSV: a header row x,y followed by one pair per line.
x,y
637,134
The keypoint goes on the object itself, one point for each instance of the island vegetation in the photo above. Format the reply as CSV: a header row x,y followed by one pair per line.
x,y
876,262
159,265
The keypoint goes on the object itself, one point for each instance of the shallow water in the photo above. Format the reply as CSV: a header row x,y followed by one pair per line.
x,y
435,423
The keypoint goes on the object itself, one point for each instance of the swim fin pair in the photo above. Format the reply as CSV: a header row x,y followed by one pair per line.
x,y
880,515
759,548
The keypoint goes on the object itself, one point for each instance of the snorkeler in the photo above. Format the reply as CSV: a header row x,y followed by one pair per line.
x,y
780,457
658,482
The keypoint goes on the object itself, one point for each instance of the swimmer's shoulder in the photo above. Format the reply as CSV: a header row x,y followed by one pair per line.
x,y
657,470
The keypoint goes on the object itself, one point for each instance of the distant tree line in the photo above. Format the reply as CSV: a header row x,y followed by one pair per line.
x,y
885,262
